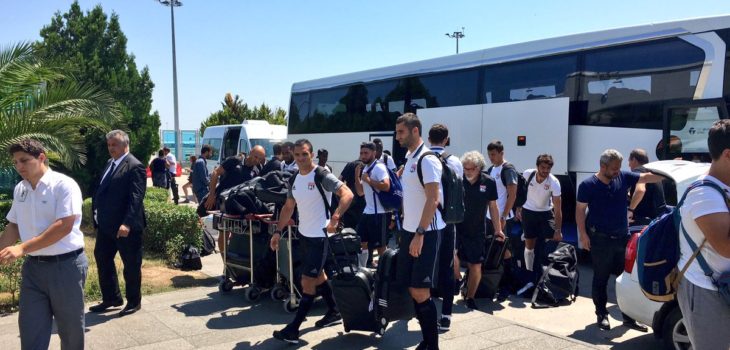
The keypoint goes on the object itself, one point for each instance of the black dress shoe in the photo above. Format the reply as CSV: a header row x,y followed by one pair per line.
x,y
636,326
104,305
130,309
603,322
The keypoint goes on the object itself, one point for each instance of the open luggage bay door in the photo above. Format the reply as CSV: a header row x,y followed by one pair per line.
x,y
526,128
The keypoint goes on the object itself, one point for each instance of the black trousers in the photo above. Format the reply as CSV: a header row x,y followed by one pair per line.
x,y
173,186
130,250
607,257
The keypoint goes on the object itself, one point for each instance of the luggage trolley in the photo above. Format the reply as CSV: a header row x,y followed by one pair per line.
x,y
235,272
286,288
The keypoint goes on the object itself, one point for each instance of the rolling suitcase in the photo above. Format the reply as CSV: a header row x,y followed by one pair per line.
x,y
492,269
353,292
391,294
495,250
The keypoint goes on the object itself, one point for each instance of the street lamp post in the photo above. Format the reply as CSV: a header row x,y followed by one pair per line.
x,y
457,36
178,144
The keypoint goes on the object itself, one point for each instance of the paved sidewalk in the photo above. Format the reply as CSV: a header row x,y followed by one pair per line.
x,y
204,318
207,319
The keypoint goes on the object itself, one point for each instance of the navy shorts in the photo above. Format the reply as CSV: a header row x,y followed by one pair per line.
x,y
314,255
373,229
420,272
538,224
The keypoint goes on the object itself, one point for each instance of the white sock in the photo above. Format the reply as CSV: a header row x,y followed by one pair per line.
x,y
529,258
363,257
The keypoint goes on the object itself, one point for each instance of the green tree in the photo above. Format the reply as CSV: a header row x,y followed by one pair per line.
x,y
93,48
235,111
41,102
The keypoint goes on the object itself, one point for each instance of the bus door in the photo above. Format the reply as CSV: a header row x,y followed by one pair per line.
x,y
527,129
464,124
230,143
685,129
389,143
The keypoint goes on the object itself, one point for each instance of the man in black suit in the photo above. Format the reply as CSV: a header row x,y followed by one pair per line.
x,y
119,220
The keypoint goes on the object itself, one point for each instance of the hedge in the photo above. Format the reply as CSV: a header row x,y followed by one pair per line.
x,y
169,228
4,209
157,194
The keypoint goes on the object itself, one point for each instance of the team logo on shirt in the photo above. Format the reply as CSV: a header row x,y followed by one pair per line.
x,y
482,188
310,186
413,167
546,187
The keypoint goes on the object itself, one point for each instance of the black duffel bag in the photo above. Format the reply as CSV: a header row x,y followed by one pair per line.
x,y
346,242
273,187
241,200
344,249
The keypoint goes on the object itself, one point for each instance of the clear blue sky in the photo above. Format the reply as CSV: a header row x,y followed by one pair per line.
x,y
257,49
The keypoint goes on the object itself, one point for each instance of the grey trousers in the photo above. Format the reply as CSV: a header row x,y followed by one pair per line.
x,y
48,291
705,315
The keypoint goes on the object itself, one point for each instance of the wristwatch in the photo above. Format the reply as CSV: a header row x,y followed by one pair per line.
x,y
420,231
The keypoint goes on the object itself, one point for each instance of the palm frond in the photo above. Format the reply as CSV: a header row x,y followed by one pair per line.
x,y
40,102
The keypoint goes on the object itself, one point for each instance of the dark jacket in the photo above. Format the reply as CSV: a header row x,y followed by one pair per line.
x,y
120,199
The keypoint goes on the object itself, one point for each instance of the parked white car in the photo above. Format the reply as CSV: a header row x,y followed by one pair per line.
x,y
664,318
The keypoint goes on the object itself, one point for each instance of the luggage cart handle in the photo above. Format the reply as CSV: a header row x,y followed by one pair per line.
x,y
257,217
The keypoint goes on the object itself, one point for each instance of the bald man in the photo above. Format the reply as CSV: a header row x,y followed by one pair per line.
x,y
234,172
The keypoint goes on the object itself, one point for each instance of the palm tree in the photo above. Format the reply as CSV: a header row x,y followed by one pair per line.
x,y
41,102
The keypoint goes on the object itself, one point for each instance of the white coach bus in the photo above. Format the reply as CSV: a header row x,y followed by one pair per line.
x,y
572,97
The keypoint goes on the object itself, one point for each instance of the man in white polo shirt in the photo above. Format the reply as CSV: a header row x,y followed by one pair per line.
x,y
541,215
46,217
422,224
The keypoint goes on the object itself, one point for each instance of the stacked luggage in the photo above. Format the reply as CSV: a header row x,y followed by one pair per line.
x,y
246,254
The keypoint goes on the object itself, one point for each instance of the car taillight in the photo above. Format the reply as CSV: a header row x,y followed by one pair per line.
x,y
630,256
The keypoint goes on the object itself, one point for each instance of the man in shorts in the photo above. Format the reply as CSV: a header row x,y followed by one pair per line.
x,y
480,193
369,179
314,221
541,215
422,224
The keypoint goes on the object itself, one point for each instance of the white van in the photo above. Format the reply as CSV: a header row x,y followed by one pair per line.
x,y
229,140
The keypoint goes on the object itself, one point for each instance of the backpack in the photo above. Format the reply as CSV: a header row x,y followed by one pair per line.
x,y
190,259
658,251
559,280
392,199
452,210
521,196
208,243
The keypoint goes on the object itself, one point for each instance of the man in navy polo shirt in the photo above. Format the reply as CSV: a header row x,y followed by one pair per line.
x,y
604,232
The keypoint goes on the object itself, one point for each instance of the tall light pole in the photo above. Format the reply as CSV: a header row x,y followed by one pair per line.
x,y
457,36
178,144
